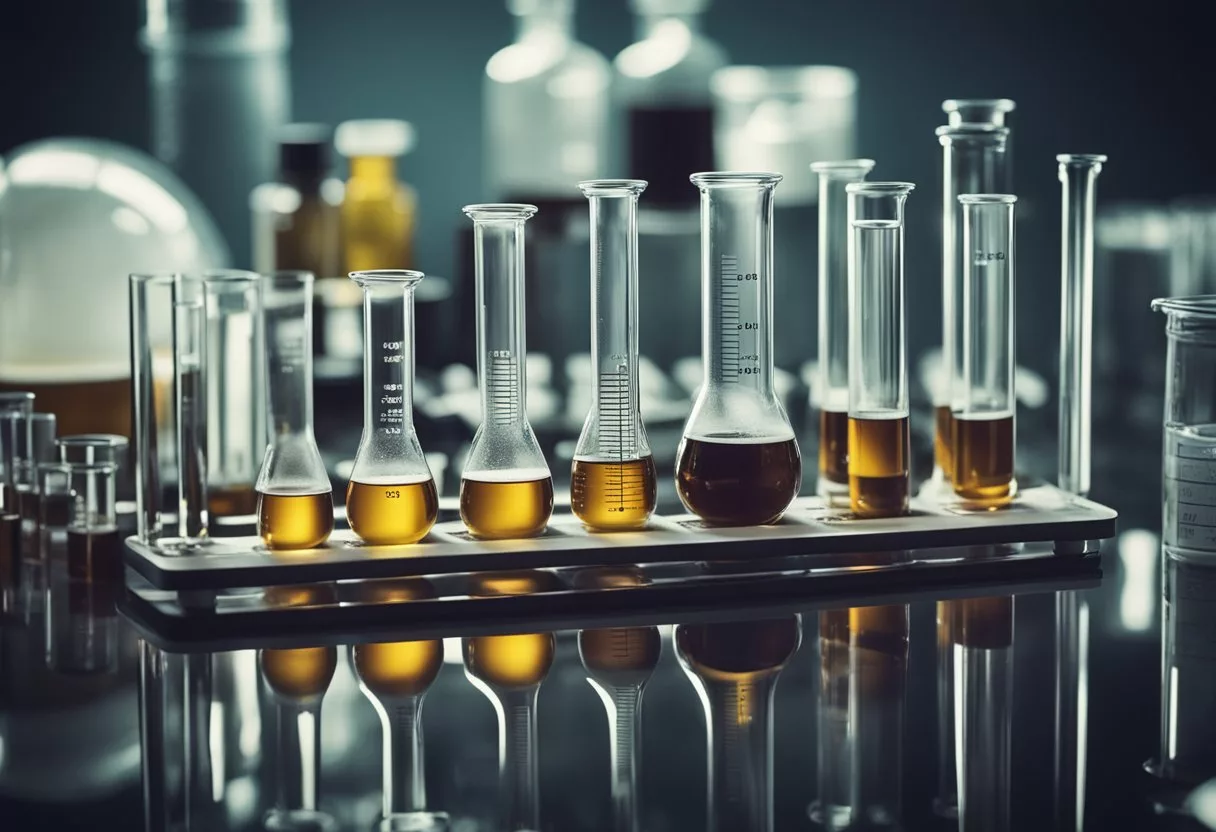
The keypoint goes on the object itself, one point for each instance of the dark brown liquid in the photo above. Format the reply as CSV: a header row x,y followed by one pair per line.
x,y
668,143
834,446
733,484
981,622
232,501
620,649
95,571
878,467
736,649
983,460
943,440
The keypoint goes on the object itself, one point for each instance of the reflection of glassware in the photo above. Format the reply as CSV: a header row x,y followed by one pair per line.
x,y
295,507
14,409
833,383
35,446
613,482
122,212
983,409
739,463
506,489
391,497
879,440
832,808
945,804
734,667
509,670
378,210
395,676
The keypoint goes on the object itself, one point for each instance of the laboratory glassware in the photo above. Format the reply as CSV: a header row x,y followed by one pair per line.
x,y
378,210
945,803
738,462
1192,252
974,161
734,667
663,85
613,484
879,440
15,407
122,211
509,670
832,393
35,445
395,677
506,489
546,101
991,111
1078,179
983,411
295,505
832,807
391,497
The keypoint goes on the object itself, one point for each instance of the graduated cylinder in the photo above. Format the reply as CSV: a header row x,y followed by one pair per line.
x,y
982,439
879,441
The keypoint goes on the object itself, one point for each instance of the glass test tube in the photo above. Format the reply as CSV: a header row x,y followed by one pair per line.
x,y
878,665
879,440
506,490
1078,178
35,445
295,506
613,484
14,408
833,392
190,414
738,462
832,808
391,498
974,161
983,410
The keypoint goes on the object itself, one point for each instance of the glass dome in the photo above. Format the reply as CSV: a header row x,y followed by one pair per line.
x,y
77,216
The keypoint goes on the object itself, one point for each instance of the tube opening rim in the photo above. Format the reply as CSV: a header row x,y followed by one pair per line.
x,y
880,189
386,277
987,199
1194,306
483,211
612,187
843,166
734,178
1081,160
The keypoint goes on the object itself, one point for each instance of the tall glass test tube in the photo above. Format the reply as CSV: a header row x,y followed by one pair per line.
x,y
613,481
506,490
983,411
879,440
833,391
738,463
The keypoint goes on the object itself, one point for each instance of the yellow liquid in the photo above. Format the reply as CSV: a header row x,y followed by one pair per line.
x,y
295,521
377,217
613,495
387,514
983,461
516,661
299,672
232,501
878,467
943,440
403,668
505,510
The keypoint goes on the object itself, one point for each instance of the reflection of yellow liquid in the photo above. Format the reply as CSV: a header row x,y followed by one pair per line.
x,y
514,661
613,495
618,649
231,500
504,510
386,514
295,521
299,672
403,668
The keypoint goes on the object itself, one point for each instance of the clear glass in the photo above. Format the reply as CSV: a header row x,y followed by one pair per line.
x,y
734,668
546,101
506,490
35,445
991,111
832,384
832,808
983,412
295,505
1078,180
1188,683
879,440
975,160
378,210
15,407
613,483
738,462
945,803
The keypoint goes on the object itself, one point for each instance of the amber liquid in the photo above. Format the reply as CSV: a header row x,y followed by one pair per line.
x,y
516,661
403,668
295,521
878,467
388,514
738,650
943,440
613,495
108,407
737,484
983,461
620,650
834,446
506,509
299,672
94,570
981,622
232,501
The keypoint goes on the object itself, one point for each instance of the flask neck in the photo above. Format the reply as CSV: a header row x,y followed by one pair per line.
x,y
501,343
614,303
289,361
388,362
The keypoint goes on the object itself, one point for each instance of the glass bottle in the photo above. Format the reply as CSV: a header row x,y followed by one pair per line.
x,y
391,498
506,490
378,210
738,462
295,506
613,484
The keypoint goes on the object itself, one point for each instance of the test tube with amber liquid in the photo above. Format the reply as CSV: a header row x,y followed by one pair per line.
x,y
879,441
983,428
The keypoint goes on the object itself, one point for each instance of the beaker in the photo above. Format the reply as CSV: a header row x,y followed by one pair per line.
x,y
734,667
295,506
506,490
879,440
613,483
982,411
391,498
738,462
832,393
974,161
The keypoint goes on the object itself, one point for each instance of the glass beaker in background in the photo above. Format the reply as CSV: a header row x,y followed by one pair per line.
x,y
220,91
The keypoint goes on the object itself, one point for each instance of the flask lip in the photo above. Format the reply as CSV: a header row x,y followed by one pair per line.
x,y
491,211
383,277
843,167
1081,160
987,199
612,187
1190,306
880,189
949,133
706,180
